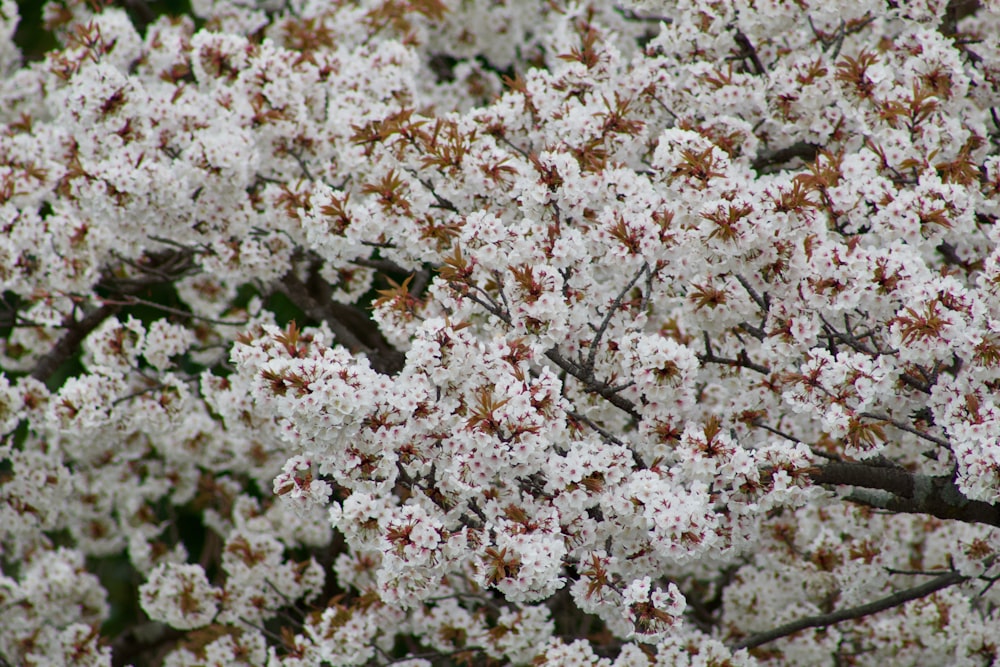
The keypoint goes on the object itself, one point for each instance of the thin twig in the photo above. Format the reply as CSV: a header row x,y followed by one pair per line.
x,y
442,202
903,426
588,365
606,434
136,301
302,164
383,265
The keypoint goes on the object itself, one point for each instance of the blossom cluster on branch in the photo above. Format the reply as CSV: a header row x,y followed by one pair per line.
x,y
426,332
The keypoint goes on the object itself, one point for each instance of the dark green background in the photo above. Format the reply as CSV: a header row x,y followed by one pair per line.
x,y
35,41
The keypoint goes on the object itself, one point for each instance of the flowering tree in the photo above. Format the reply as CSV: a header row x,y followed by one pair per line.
x,y
428,332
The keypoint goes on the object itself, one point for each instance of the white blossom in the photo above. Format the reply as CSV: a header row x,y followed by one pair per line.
x,y
180,596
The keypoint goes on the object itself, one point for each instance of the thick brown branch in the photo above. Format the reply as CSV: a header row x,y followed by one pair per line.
x,y
804,151
353,329
897,481
823,620
142,641
298,293
897,490
68,345
955,12
748,51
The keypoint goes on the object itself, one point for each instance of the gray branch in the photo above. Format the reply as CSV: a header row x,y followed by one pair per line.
x,y
823,620
895,489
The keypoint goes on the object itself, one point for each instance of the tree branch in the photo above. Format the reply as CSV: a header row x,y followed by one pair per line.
x,y
297,291
898,490
823,620
353,329
602,389
955,12
805,151
588,364
743,360
155,268
903,426
748,51
67,346
143,640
